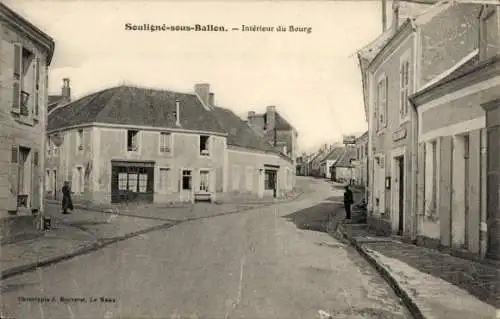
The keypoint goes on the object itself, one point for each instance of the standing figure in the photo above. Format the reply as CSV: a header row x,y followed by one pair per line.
x,y
67,203
348,201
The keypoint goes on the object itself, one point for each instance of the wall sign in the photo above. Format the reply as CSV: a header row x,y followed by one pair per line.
x,y
399,134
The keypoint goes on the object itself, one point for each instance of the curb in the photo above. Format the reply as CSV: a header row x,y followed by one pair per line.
x,y
81,251
400,292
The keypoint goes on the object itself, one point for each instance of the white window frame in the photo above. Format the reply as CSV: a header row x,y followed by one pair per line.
x,y
139,141
170,143
404,86
209,176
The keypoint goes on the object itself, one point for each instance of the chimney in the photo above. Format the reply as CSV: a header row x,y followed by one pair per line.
x,y
66,90
177,112
203,92
211,101
250,115
270,117
395,15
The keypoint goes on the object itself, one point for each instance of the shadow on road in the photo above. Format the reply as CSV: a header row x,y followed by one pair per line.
x,y
315,218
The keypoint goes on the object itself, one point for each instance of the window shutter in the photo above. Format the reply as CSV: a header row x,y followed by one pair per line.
x,y
386,91
16,97
14,155
37,74
17,60
35,158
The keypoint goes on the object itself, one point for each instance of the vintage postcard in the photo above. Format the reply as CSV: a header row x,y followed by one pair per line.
x,y
250,159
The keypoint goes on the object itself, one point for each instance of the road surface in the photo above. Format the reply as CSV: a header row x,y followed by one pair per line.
x,y
254,264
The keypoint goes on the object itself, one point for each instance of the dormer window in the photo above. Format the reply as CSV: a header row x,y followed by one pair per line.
x,y
132,140
204,145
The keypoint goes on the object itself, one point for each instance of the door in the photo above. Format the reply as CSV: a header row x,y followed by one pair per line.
x,y
401,185
186,185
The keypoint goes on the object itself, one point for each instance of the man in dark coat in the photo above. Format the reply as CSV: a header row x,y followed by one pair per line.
x,y
67,203
348,201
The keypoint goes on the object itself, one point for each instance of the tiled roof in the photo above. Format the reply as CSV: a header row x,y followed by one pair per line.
x,y
335,153
136,106
348,155
239,133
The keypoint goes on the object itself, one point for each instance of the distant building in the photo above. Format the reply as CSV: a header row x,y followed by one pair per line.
x,y
361,166
25,56
126,144
342,170
334,154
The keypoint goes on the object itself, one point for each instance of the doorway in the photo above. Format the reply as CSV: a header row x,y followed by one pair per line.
x,y
270,181
24,177
187,185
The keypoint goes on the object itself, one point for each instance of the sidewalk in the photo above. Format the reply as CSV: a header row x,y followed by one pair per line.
x,y
431,283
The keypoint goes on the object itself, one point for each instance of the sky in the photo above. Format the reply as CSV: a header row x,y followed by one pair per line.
x,y
313,79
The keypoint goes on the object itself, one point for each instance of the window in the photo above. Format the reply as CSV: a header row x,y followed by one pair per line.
x,y
404,86
132,140
186,180
122,179
204,181
164,178
381,103
165,142
204,145
23,59
143,180
79,140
